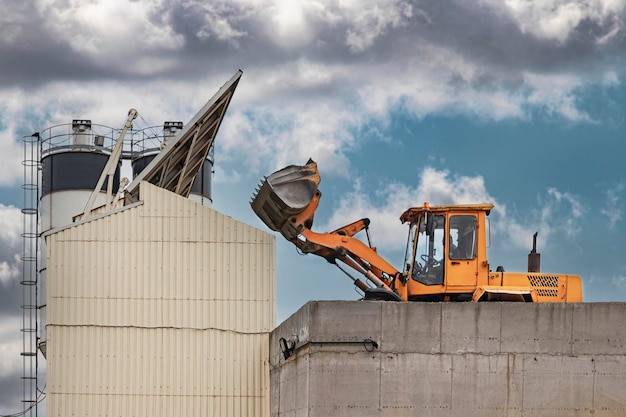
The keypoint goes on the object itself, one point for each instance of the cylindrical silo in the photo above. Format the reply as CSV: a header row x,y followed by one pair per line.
x,y
73,157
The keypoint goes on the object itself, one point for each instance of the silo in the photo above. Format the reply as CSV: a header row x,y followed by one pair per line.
x,y
73,157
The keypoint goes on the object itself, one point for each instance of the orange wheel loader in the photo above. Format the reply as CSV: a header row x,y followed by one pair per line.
x,y
446,255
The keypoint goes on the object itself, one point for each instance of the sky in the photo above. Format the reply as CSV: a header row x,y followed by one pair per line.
x,y
514,102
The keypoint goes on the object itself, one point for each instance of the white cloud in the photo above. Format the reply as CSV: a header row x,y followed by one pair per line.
x,y
217,24
291,25
392,199
11,225
9,271
299,80
556,94
557,19
112,32
370,19
295,24
560,211
446,82
299,106
10,239
281,120
10,346
557,214
612,209
619,281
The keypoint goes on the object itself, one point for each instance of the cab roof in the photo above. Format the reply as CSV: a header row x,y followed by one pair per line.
x,y
411,214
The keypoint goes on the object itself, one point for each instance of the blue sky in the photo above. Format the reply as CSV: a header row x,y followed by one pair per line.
x,y
519,103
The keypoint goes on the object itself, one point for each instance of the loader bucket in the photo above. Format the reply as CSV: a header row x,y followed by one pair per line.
x,y
285,193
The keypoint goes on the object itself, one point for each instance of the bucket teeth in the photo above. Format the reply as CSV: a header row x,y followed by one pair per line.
x,y
285,193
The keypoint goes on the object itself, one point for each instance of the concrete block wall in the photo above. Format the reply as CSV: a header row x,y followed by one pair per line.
x,y
368,358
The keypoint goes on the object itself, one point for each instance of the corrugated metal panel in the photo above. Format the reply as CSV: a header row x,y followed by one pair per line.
x,y
152,372
160,309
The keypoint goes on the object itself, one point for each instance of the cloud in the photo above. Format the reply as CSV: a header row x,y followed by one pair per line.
x,y
562,211
11,226
556,95
9,271
558,20
292,24
86,28
619,281
11,371
612,209
10,250
390,200
219,21
10,345
368,20
559,212
314,72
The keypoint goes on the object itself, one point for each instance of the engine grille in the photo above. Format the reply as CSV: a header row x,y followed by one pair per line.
x,y
545,285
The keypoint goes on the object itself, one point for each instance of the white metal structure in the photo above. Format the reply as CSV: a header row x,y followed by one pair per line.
x,y
161,308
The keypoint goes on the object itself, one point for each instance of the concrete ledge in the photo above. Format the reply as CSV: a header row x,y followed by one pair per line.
x,y
448,359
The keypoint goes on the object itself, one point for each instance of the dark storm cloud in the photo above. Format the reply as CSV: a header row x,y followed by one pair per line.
x,y
12,394
43,63
504,46
252,47
230,34
493,37
10,276
10,297
33,56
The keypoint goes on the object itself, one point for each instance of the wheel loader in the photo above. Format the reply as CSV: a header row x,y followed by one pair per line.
x,y
446,252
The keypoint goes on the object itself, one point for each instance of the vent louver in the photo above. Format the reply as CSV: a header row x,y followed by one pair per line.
x,y
545,285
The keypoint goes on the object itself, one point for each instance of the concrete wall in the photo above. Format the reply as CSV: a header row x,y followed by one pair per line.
x,y
451,359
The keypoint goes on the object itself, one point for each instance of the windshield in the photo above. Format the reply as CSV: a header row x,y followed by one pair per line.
x,y
424,257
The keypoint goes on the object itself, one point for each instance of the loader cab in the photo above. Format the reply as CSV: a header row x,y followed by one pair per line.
x,y
446,250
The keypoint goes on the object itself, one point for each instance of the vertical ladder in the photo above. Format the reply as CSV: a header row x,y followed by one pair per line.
x,y
30,245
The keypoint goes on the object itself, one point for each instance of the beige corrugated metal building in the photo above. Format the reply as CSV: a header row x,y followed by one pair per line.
x,y
161,308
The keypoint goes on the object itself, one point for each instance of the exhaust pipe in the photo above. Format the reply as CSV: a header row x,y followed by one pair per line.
x,y
534,258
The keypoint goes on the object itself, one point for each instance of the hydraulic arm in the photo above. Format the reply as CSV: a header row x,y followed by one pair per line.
x,y
286,202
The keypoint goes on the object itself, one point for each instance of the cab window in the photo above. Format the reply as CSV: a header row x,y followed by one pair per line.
x,y
462,237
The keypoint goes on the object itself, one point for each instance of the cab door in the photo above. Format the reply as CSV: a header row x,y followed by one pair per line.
x,y
462,251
